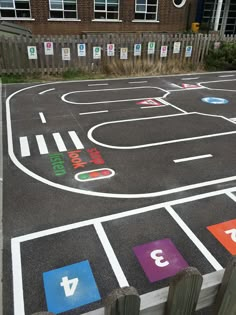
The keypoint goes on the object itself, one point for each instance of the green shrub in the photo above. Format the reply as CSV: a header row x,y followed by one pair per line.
x,y
223,58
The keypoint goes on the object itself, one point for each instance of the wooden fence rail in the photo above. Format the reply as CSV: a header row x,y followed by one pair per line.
x,y
188,291
14,57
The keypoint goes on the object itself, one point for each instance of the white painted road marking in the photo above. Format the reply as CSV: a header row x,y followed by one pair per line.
x,y
226,76
193,158
153,106
194,238
167,103
24,147
98,84
42,117
46,91
74,137
120,276
138,82
188,79
42,144
90,113
59,142
176,85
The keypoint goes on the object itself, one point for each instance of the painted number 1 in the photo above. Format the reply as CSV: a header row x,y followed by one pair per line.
x,y
233,234
159,260
69,286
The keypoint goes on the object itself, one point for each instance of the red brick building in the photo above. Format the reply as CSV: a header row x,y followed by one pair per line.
x,y
55,17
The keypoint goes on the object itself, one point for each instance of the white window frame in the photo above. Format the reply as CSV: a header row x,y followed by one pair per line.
x,y
179,5
146,12
106,11
63,11
15,11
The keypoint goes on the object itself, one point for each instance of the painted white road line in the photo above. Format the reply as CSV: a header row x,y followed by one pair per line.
x,y
153,106
138,82
42,117
18,293
188,89
64,96
176,85
76,140
226,76
120,276
231,195
188,79
193,158
46,91
215,264
160,99
24,147
42,144
59,142
90,113
98,84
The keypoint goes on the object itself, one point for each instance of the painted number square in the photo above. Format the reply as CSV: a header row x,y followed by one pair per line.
x,y
225,233
70,287
159,259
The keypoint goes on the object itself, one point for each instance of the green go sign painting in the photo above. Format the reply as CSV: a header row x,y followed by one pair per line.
x,y
97,53
151,48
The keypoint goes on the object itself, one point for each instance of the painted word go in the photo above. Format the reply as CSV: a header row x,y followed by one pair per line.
x,y
159,260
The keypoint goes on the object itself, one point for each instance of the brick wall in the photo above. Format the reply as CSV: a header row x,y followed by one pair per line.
x,y
171,19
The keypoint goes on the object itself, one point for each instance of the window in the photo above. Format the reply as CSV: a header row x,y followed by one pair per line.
x,y
179,3
106,9
146,10
63,9
15,9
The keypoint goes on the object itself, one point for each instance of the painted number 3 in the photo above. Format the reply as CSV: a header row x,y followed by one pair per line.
x,y
159,260
69,286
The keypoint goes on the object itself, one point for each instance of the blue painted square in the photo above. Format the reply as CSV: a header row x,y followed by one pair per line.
x,y
70,287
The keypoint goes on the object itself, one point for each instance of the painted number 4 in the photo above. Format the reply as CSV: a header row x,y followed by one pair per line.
x,y
159,260
233,234
69,286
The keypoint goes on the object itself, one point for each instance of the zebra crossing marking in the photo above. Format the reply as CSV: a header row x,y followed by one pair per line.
x,y
42,144
59,142
76,140
24,146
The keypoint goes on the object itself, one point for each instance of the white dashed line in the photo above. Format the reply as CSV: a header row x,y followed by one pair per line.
x,y
99,84
90,113
42,117
138,82
188,79
226,76
153,106
43,92
193,158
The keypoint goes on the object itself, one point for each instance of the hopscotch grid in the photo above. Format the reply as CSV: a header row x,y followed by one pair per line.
x,y
97,224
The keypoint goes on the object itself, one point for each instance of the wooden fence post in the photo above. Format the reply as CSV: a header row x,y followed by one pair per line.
x,y
226,297
184,292
124,301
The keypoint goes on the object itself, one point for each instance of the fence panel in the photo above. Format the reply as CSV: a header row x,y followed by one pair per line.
x,y
14,55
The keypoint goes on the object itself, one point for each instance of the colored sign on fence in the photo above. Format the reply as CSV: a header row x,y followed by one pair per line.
x,y
110,50
70,287
66,54
188,51
151,48
48,48
137,50
97,53
177,46
32,52
225,233
159,259
124,53
81,50
164,51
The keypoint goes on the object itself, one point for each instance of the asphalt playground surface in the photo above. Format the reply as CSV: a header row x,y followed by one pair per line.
x,y
113,183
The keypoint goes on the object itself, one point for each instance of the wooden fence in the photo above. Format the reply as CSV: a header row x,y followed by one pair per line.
x,y
14,57
188,291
